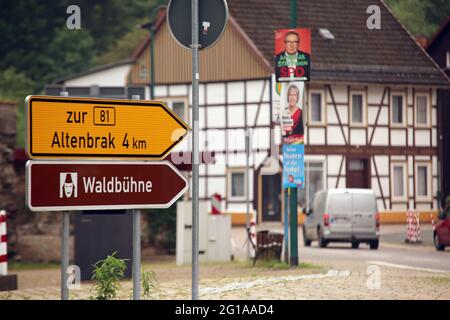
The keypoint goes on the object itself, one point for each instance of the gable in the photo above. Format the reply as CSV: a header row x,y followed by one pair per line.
x,y
233,57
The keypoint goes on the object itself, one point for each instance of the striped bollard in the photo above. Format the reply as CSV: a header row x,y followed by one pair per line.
x,y
3,245
8,282
417,233
216,204
252,236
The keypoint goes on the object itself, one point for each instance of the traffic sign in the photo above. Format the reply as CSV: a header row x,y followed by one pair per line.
x,y
100,185
67,127
213,15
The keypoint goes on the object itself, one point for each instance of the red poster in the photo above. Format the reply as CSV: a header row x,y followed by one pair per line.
x,y
292,54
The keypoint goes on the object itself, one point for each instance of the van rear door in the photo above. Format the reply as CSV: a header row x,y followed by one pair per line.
x,y
340,210
364,210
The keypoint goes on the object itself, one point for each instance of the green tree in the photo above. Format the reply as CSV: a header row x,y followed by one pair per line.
x,y
420,17
70,51
16,86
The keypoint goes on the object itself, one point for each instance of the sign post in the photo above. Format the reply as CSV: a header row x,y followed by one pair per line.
x,y
85,128
136,260
195,147
210,16
292,67
65,247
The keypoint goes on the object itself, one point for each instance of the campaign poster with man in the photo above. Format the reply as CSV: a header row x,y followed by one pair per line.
x,y
292,54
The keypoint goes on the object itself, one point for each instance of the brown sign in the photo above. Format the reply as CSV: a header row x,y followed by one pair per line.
x,y
97,185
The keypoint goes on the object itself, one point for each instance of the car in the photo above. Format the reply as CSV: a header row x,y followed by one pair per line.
x,y
343,215
441,234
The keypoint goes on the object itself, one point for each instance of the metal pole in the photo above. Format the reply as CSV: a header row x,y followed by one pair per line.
x,y
293,191
136,263
195,146
247,189
136,273
64,244
152,62
286,226
286,205
294,227
293,14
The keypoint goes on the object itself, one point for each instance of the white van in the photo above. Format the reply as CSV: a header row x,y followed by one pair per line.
x,y
343,215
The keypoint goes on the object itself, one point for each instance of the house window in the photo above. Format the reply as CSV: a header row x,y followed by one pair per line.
x,y
399,182
179,106
314,182
398,110
317,108
236,183
448,59
143,72
422,110
423,181
357,110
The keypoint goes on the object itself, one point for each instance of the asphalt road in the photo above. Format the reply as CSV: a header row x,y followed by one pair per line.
x,y
392,250
408,257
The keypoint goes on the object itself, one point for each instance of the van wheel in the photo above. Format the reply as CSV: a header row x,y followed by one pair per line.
x,y
306,241
355,244
373,244
322,242
439,247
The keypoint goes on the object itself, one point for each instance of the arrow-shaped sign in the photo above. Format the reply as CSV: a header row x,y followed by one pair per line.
x,y
66,127
100,185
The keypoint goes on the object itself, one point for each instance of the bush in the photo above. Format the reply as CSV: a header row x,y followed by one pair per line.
x,y
107,274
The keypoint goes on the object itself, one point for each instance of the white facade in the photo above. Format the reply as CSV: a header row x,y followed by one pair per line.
x,y
388,139
115,76
394,128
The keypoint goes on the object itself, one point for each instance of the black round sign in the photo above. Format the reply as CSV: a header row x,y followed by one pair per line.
x,y
212,15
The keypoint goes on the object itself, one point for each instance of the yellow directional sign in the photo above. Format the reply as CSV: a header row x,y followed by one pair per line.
x,y
66,127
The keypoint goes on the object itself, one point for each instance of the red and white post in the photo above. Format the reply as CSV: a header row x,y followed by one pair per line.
x,y
3,244
216,204
413,226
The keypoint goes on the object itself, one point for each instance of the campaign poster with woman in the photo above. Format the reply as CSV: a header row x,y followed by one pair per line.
x,y
291,108
291,118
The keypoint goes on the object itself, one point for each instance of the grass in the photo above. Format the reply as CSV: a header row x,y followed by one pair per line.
x,y
22,266
279,265
441,280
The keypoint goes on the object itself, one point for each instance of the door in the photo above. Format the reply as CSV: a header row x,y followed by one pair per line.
x,y
364,210
271,198
358,173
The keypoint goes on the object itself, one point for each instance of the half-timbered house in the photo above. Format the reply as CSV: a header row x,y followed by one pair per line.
x,y
371,105
439,49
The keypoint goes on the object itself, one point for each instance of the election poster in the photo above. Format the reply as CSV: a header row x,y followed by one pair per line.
x,y
292,54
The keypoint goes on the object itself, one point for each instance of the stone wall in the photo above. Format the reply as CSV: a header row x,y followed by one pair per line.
x,y
8,177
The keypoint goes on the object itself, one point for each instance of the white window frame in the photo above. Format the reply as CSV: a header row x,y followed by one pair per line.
x,y
448,59
428,197
323,109
170,100
364,109
307,171
404,110
404,197
416,105
230,171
